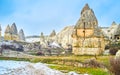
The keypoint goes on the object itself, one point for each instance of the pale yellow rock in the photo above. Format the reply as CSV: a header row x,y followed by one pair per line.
x,y
87,36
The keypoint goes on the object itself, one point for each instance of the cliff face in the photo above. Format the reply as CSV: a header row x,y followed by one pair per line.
x,y
64,36
109,32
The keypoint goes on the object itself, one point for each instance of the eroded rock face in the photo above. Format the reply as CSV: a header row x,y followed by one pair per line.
x,y
87,36
11,33
21,35
117,54
0,28
0,31
53,33
8,30
64,36
7,35
14,29
117,33
87,18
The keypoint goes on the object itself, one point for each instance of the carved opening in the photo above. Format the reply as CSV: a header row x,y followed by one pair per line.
x,y
118,38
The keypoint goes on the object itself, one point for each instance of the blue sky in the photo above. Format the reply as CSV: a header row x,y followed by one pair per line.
x,y
36,16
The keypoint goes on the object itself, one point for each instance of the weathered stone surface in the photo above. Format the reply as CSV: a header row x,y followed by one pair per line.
x,y
64,36
112,32
21,35
87,36
8,30
0,28
14,29
43,40
53,33
0,32
86,7
114,23
11,33
7,34
117,54
117,32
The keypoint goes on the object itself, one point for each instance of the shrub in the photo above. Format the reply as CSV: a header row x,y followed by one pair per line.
x,y
113,51
115,65
93,63
39,53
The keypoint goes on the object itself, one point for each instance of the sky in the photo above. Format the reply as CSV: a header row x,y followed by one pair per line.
x,y
36,16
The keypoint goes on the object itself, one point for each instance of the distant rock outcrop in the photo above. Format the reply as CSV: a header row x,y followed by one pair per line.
x,y
8,34
0,32
64,36
109,32
117,31
14,29
0,28
21,35
53,33
8,30
11,33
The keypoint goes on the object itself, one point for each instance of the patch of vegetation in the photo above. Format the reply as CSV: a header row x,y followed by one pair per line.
x,y
92,71
14,58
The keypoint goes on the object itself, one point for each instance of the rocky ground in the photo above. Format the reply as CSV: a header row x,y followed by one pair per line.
x,y
26,68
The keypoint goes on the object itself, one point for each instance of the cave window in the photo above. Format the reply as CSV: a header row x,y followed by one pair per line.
x,y
108,30
111,37
118,38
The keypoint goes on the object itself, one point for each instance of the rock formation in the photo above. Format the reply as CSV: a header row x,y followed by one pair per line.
x,y
14,29
8,34
87,36
8,30
14,32
117,34
0,31
11,33
53,33
43,40
64,36
21,35
109,32
117,55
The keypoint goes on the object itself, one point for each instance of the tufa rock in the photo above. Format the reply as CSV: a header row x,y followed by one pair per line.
x,y
86,7
0,32
64,36
21,35
117,54
87,36
53,33
114,23
0,28
8,30
117,32
14,29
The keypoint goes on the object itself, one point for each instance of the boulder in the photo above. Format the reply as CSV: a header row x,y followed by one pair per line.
x,y
117,54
